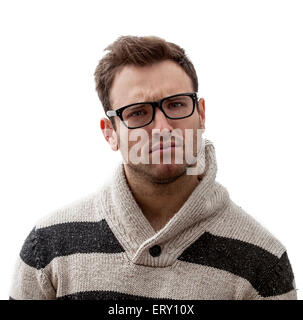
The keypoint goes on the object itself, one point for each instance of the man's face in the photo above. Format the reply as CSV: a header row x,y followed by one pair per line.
x,y
134,84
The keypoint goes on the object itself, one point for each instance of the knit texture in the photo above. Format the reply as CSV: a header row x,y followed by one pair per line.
x,y
103,247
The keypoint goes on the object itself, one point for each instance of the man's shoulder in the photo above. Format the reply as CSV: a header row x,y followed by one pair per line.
x,y
81,209
78,227
84,209
237,243
235,223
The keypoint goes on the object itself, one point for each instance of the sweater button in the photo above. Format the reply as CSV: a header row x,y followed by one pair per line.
x,y
155,251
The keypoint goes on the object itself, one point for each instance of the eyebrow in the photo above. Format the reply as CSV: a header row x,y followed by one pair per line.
x,y
149,96
142,97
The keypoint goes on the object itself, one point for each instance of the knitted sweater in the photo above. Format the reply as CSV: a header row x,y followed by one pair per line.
x,y
103,247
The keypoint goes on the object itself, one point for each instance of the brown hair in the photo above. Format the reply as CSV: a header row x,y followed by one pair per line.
x,y
139,51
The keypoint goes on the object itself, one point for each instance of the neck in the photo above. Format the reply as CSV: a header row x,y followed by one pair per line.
x,y
159,202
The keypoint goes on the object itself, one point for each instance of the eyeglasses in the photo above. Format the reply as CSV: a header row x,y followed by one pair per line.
x,y
141,114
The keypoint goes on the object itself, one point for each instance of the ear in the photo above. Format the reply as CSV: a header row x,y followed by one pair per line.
x,y
109,133
201,111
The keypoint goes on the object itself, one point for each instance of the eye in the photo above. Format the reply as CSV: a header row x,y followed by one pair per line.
x,y
175,105
178,104
136,113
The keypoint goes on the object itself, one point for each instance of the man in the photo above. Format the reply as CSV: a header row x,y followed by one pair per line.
x,y
163,227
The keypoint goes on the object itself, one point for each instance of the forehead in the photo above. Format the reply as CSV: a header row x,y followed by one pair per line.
x,y
135,83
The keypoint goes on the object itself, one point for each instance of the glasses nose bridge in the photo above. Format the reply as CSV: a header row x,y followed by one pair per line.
x,y
158,104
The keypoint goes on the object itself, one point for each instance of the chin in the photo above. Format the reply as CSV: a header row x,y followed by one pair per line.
x,y
168,171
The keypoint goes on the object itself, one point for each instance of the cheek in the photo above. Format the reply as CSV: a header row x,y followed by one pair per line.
x,y
189,130
129,138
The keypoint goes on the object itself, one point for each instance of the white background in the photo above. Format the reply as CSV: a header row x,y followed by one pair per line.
x,y
248,56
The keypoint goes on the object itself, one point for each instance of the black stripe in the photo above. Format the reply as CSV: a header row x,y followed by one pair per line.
x,y
105,295
279,280
28,251
243,259
44,244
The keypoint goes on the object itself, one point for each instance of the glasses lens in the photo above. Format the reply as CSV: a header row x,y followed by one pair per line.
x,y
137,115
178,107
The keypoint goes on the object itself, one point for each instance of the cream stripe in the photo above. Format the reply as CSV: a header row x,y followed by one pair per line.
x,y
113,272
29,283
81,210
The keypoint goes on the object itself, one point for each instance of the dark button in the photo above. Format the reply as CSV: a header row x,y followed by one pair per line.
x,y
155,251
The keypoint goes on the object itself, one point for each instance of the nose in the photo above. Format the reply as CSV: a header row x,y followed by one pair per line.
x,y
160,121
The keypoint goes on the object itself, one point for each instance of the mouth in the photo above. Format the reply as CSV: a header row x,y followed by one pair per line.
x,y
162,147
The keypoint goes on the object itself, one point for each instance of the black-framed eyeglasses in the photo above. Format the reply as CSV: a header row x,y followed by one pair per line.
x,y
141,114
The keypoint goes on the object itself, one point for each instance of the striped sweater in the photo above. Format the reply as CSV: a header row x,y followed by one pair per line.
x,y
103,247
